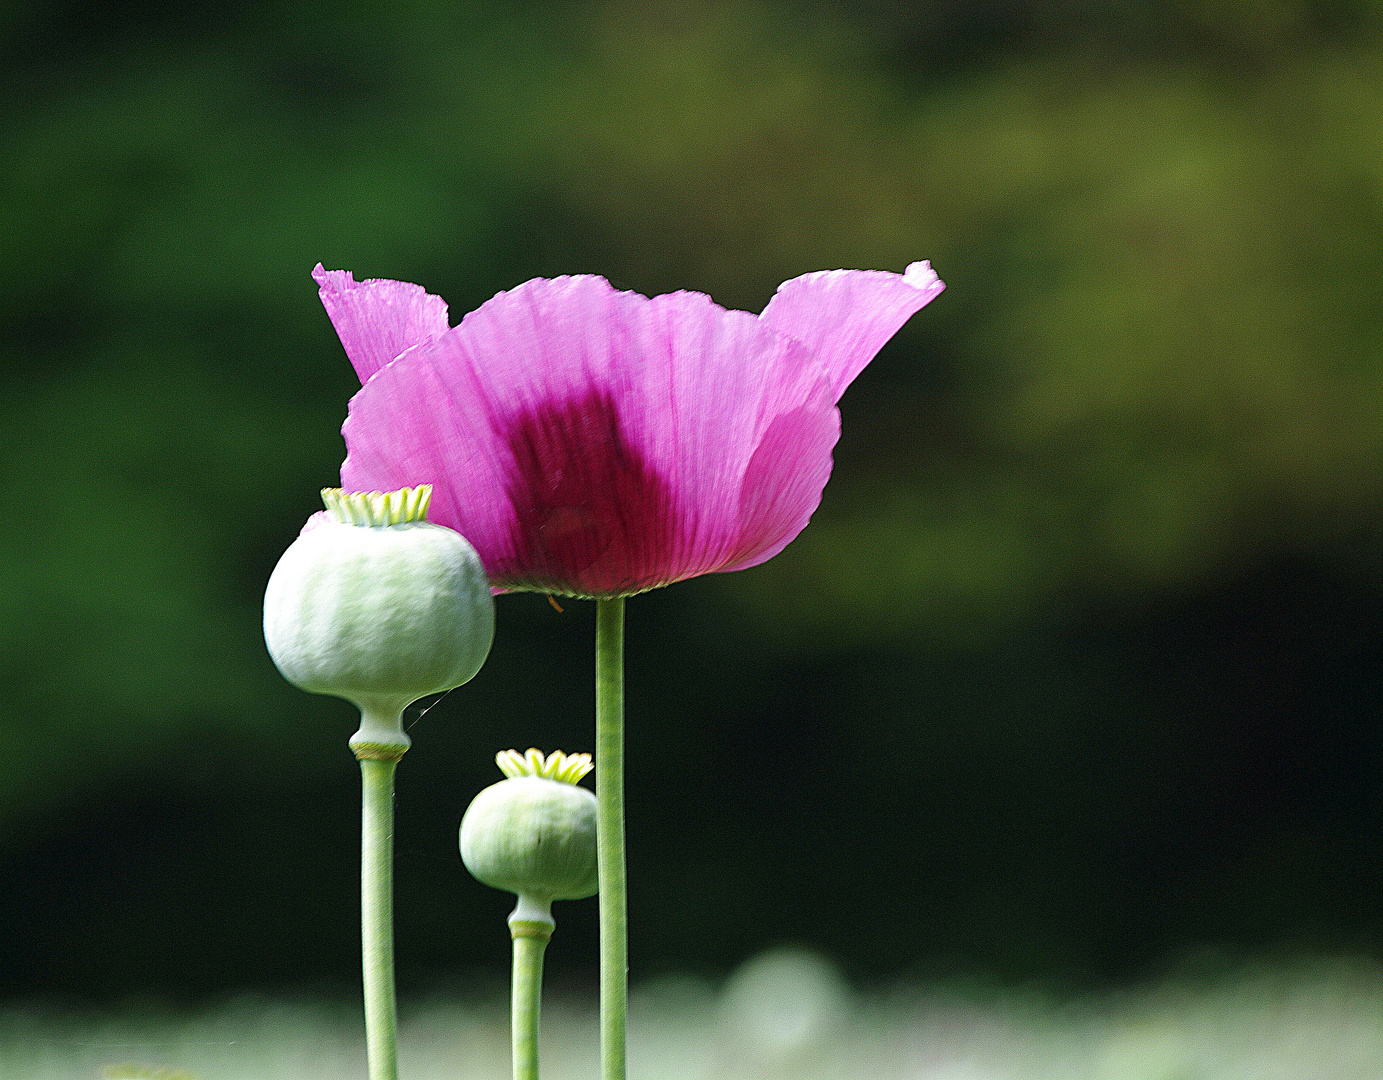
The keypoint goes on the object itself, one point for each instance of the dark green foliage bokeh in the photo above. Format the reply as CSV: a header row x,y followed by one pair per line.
x,y
1074,672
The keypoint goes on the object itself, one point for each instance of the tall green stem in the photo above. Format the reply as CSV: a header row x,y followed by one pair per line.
x,y
525,1003
609,790
377,915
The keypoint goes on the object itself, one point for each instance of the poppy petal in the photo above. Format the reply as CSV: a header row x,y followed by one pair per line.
x,y
846,316
591,441
378,319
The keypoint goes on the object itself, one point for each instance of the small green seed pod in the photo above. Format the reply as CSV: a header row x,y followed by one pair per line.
x,y
375,604
534,833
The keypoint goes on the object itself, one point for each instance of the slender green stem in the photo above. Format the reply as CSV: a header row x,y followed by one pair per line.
x,y
525,1003
609,790
377,916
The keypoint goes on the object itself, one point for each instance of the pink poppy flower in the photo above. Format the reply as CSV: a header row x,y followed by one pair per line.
x,y
596,443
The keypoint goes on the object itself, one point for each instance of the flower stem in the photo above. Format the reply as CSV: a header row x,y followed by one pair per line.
x,y
377,915
609,789
531,933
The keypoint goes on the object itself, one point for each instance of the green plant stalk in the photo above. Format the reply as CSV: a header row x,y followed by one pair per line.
x,y
377,916
525,1003
609,790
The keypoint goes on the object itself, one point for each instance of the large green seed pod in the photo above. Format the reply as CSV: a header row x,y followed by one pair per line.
x,y
534,833
375,604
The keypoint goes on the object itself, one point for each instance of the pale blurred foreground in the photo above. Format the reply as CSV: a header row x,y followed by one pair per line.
x,y
786,1014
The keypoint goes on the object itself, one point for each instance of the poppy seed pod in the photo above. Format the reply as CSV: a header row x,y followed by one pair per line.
x,y
375,604
534,833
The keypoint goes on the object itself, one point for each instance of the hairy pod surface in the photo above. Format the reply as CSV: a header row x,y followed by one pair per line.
x,y
380,608
532,836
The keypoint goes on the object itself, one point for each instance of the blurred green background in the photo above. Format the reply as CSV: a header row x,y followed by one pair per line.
x,y
1075,674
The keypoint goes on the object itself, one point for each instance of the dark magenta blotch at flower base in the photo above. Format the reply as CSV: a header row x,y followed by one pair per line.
x,y
591,442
